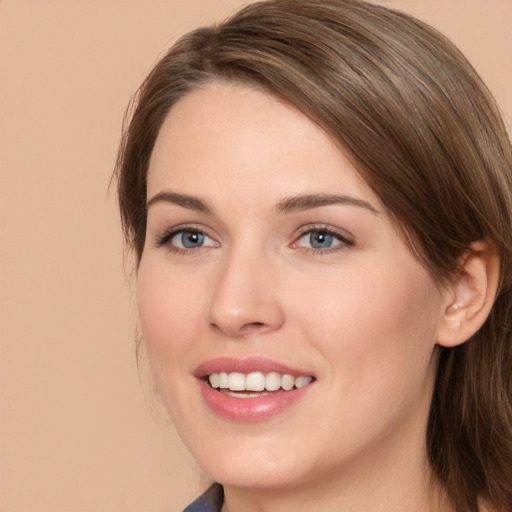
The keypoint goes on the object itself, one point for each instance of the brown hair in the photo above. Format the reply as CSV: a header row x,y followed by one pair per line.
x,y
426,136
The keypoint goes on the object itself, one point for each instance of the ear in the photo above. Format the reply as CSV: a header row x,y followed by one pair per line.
x,y
470,297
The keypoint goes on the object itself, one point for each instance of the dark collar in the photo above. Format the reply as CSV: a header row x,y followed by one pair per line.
x,y
210,501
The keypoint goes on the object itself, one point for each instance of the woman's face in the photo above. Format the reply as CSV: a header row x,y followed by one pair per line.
x,y
269,263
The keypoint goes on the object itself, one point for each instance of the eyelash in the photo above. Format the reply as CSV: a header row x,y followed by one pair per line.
x,y
345,241
165,239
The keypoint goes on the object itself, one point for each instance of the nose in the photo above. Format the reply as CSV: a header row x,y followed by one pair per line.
x,y
246,299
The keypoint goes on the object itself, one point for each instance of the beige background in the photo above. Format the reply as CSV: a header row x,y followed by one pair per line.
x,y
75,432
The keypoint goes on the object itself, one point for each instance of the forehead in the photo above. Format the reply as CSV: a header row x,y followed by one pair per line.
x,y
244,139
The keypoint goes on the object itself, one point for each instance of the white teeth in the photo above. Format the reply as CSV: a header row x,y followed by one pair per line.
x,y
257,381
300,382
287,382
236,381
223,380
214,380
272,381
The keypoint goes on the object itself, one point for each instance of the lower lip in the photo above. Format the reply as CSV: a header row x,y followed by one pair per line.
x,y
250,409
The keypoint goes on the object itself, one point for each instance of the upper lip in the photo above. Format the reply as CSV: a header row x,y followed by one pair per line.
x,y
246,365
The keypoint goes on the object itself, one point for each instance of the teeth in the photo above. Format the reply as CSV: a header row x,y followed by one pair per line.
x,y
223,380
288,381
214,380
300,382
236,381
272,381
257,381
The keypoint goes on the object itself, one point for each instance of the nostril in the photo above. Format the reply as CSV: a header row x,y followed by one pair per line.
x,y
253,326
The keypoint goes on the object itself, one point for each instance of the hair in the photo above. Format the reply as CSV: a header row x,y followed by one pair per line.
x,y
425,134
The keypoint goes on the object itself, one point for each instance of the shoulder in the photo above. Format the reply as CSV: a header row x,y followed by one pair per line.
x,y
210,501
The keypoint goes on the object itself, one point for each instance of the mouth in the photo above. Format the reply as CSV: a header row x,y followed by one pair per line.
x,y
252,389
255,384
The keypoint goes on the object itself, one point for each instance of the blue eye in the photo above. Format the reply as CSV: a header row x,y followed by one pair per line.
x,y
185,239
188,239
321,239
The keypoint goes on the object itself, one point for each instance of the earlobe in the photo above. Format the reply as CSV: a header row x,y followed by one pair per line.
x,y
470,297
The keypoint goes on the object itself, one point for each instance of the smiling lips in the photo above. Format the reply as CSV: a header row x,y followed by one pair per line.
x,y
258,382
254,389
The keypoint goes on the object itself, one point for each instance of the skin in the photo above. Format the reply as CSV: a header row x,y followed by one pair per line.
x,y
362,317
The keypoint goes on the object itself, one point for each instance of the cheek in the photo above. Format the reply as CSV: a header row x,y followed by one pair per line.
x,y
378,337
374,328
168,310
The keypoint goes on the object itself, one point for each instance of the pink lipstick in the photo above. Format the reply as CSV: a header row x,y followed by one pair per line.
x,y
252,389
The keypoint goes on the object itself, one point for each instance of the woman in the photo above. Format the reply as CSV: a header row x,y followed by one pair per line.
x,y
318,194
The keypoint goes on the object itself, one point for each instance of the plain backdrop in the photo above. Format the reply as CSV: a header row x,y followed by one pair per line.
x,y
77,433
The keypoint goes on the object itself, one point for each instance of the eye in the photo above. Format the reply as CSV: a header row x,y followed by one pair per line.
x,y
186,239
322,240
190,240
319,240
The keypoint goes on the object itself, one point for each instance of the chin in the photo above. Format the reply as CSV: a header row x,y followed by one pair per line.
x,y
248,474
244,464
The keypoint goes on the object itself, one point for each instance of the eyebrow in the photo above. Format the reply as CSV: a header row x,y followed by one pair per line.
x,y
189,202
308,202
286,205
